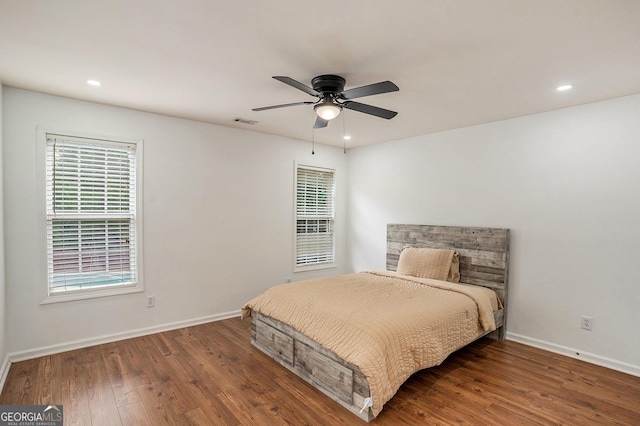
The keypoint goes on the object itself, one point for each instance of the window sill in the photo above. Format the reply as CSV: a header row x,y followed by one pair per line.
x,y
314,267
90,294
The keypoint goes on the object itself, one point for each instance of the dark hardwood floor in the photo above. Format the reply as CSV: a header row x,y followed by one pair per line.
x,y
211,375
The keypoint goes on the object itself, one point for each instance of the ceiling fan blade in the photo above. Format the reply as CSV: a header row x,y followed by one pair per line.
x,y
369,109
371,89
282,106
320,123
293,83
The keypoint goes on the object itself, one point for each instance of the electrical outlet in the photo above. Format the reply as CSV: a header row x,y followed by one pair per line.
x,y
288,280
587,322
151,301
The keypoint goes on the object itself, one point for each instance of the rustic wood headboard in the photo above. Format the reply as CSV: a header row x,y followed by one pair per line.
x,y
484,252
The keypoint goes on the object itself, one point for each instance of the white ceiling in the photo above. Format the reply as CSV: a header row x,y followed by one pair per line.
x,y
457,62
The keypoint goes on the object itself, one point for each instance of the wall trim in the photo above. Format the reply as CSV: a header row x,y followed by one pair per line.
x,y
623,367
613,364
108,338
4,371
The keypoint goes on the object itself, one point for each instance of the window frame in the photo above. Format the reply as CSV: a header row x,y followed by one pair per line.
x,y
47,296
318,265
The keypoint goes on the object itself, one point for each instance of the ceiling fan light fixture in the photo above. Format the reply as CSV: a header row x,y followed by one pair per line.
x,y
327,110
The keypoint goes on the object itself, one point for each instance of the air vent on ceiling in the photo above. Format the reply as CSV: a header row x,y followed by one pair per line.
x,y
245,121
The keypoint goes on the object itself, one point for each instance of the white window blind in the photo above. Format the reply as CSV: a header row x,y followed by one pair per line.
x,y
90,214
315,216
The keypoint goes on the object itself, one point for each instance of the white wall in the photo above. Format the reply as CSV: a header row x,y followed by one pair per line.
x,y
3,350
218,219
567,184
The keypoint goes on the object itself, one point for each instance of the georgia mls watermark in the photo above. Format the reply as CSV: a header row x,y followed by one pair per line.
x,y
31,415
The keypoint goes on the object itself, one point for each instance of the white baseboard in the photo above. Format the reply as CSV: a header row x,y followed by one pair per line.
x,y
4,370
634,370
84,343
624,367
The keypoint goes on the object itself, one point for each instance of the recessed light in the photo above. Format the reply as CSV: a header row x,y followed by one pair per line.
x,y
564,87
94,83
346,137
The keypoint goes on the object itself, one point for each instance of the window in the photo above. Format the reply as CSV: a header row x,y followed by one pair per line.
x,y
315,218
92,219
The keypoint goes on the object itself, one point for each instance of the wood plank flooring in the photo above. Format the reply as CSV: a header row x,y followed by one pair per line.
x,y
211,375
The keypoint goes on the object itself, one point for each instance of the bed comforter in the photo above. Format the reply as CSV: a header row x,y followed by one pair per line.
x,y
388,325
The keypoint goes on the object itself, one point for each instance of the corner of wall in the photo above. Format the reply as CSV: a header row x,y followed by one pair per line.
x,y
4,368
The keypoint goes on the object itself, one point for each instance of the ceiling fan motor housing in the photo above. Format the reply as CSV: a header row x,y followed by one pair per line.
x,y
328,83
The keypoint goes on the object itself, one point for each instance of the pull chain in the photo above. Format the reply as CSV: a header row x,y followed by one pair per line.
x,y
344,135
313,136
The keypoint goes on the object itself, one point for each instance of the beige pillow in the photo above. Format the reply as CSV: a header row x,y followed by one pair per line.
x,y
428,263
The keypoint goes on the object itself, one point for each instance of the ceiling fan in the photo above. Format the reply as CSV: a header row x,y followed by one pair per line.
x,y
332,98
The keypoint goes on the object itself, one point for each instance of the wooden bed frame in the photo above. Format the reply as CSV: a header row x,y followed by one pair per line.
x,y
484,261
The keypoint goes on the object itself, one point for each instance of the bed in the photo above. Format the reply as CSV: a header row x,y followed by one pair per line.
x,y
416,322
